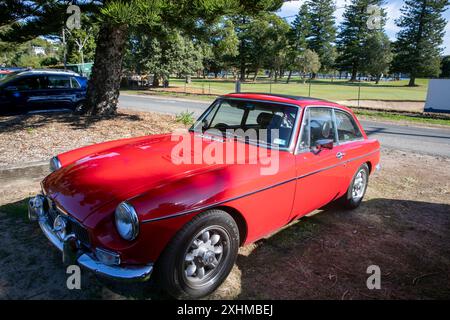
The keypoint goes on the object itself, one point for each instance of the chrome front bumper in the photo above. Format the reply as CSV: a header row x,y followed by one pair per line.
x,y
87,260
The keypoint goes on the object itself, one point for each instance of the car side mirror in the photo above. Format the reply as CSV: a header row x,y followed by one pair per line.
x,y
323,144
205,124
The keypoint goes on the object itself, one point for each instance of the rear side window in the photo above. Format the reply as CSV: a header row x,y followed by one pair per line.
x,y
346,127
27,83
58,82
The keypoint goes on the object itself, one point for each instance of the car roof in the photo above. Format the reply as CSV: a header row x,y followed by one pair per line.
x,y
297,100
48,72
288,99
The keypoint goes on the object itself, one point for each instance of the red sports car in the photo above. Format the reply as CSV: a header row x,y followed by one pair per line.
x,y
178,206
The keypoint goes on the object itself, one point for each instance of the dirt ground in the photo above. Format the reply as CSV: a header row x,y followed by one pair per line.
x,y
402,227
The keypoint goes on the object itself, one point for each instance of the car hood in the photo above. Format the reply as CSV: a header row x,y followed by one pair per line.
x,y
100,181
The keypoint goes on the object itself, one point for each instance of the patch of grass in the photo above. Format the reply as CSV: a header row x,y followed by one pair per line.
x,y
321,88
295,233
392,116
16,210
185,117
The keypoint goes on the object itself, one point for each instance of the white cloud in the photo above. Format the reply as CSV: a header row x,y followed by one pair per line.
x,y
393,13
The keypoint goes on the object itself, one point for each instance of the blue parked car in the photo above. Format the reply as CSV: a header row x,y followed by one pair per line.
x,y
33,90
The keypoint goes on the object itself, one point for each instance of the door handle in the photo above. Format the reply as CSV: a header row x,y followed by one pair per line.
x,y
340,155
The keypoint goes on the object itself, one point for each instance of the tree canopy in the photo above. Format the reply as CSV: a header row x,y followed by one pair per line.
x,y
418,47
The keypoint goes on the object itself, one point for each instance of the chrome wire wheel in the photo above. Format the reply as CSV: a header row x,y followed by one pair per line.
x,y
359,185
205,255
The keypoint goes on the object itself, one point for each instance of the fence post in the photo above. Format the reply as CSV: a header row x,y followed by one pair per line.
x,y
359,91
237,86
310,83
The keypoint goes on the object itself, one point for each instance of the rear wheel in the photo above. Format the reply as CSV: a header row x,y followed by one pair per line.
x,y
357,189
200,256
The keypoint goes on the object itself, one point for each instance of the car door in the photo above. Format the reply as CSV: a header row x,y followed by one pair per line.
x,y
26,93
319,173
349,137
59,91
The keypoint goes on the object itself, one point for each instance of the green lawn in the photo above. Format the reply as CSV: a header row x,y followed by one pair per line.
x,y
325,89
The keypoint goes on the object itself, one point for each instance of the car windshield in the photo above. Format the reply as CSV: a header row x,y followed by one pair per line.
x,y
264,123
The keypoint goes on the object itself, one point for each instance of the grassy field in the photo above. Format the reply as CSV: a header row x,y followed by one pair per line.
x,y
411,119
326,89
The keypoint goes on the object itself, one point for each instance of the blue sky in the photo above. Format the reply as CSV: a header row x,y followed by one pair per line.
x,y
393,12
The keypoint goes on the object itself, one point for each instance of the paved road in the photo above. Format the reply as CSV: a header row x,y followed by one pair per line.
x,y
435,141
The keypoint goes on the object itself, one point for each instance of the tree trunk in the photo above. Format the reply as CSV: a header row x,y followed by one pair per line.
x,y
377,81
103,89
412,81
354,74
289,77
256,74
155,83
242,75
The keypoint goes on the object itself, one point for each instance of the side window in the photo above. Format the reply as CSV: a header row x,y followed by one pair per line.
x,y
58,82
317,125
27,83
346,127
321,125
74,83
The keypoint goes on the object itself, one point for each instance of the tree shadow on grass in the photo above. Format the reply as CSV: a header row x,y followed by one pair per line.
x,y
13,123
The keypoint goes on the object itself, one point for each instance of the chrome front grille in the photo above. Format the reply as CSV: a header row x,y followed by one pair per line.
x,y
73,226
80,232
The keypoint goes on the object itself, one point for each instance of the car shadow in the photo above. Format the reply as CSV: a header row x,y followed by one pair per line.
x,y
326,256
323,256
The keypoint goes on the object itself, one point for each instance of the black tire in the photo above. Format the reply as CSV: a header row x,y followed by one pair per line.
x,y
171,269
348,201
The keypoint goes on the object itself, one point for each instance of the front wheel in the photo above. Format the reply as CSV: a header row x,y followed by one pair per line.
x,y
200,256
357,189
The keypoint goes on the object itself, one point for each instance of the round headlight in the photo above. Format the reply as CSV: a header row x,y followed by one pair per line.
x,y
55,164
127,222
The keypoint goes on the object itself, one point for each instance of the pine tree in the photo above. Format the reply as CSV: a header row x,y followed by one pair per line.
x,y
417,50
297,38
354,33
445,67
378,55
322,31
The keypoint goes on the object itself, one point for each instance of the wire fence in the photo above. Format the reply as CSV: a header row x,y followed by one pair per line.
x,y
386,95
